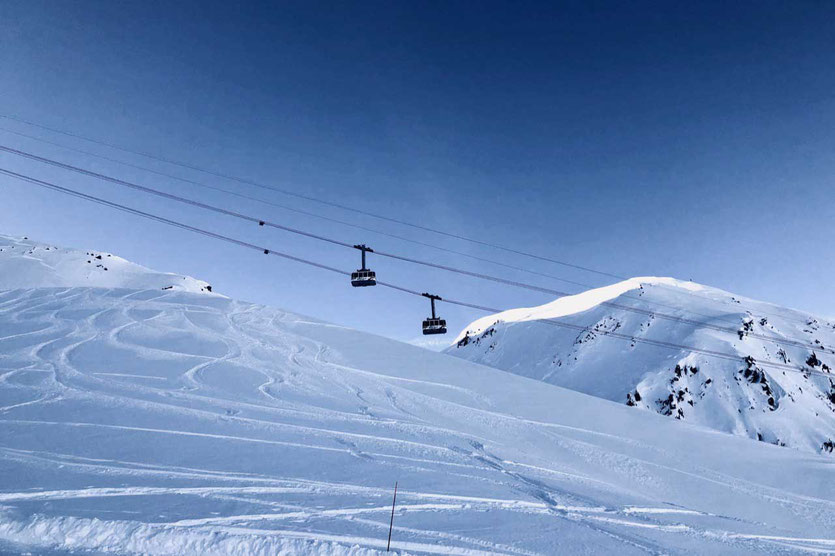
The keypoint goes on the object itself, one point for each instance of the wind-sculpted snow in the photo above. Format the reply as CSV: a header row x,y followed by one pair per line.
x,y
788,407
167,422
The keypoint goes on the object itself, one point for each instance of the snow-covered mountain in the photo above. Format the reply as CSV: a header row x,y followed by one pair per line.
x,y
147,420
26,263
776,386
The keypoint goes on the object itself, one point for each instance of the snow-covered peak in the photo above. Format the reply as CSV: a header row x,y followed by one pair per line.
x,y
25,263
572,304
652,343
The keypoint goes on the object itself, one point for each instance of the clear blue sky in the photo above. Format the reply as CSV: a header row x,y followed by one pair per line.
x,y
686,139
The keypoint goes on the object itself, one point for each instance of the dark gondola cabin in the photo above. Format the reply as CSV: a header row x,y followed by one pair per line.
x,y
434,326
363,276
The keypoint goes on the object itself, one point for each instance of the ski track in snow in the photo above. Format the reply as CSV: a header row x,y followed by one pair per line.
x,y
596,518
169,422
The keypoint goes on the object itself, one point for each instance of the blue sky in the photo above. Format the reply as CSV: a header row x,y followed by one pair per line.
x,y
692,140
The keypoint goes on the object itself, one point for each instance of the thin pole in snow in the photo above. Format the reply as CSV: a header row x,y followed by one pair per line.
x,y
391,523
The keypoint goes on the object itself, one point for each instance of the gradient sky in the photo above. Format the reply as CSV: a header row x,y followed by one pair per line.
x,y
686,139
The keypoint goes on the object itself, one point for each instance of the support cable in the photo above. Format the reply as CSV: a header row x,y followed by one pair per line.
x,y
479,275
267,251
330,219
313,199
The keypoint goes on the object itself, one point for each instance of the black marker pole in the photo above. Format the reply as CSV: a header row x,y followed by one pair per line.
x,y
391,523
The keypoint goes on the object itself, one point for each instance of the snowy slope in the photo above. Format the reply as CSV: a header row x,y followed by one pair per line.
x,y
172,422
778,405
26,263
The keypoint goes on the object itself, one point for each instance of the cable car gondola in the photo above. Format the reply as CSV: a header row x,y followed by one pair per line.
x,y
433,325
364,276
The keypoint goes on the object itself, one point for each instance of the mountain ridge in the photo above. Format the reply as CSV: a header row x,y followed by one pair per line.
x,y
768,380
27,263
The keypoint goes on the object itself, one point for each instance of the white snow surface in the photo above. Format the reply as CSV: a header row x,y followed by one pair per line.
x,y
139,420
26,263
573,304
793,407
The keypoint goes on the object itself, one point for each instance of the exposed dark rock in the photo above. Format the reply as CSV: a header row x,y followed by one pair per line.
x,y
747,328
813,360
754,375
781,353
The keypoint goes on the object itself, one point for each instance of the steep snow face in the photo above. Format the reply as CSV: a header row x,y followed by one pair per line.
x,y
28,264
157,421
747,398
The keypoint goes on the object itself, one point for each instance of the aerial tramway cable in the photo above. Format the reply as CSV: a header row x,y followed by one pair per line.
x,y
298,211
314,199
369,277
267,251
338,221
